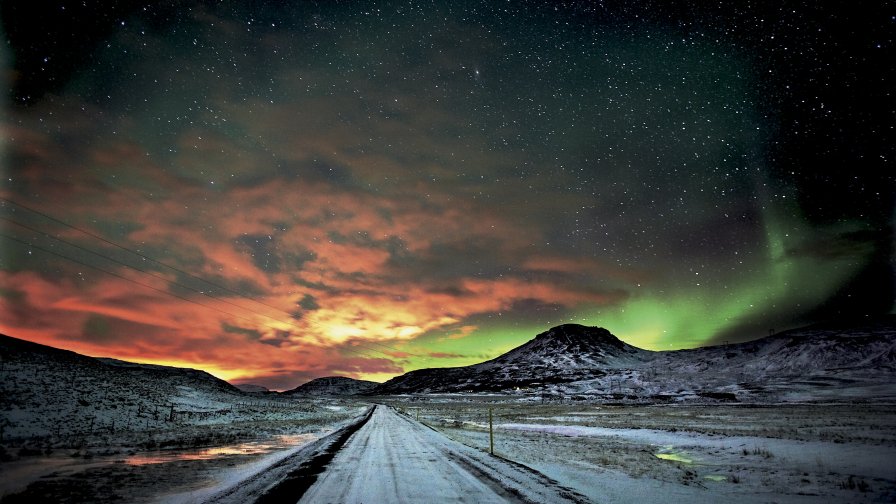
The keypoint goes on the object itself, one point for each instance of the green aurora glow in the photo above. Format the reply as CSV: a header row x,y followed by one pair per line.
x,y
782,283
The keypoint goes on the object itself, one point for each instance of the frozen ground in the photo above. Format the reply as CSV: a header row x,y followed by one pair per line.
x,y
696,453
197,460
78,429
75,428
790,453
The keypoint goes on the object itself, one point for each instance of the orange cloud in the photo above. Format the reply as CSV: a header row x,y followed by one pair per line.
x,y
378,267
312,238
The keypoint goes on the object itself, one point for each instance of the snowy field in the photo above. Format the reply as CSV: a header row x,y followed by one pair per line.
x,y
690,453
180,463
78,429
686,453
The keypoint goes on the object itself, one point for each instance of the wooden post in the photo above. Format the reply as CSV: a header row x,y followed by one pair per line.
x,y
491,433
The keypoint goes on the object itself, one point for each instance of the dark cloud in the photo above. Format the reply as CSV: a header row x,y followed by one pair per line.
x,y
215,285
444,355
250,333
283,379
263,250
356,366
478,257
525,312
308,303
98,329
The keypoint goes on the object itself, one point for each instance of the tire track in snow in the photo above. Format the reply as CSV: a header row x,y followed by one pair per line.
x,y
287,479
298,481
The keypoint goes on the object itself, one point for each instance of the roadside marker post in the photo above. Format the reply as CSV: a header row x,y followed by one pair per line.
x,y
491,434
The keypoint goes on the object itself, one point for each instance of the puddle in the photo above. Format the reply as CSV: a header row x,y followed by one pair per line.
x,y
246,448
20,473
668,453
17,474
716,477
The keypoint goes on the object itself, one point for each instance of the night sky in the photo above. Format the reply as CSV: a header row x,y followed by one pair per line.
x,y
279,192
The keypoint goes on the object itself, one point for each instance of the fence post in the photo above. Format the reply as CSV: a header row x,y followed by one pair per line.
x,y
491,434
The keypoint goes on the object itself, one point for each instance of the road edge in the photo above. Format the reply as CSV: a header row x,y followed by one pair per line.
x,y
293,486
271,485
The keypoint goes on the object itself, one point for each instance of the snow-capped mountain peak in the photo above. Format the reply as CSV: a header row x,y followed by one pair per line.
x,y
572,346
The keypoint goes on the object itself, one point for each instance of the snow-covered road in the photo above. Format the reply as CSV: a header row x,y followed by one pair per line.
x,y
395,459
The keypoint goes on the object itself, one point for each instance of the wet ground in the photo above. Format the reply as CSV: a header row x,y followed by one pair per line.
x,y
801,453
124,475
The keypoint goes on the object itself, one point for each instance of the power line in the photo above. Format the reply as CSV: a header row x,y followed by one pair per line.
x,y
162,291
82,263
173,268
145,272
122,247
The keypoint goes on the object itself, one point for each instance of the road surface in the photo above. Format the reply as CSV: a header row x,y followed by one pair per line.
x,y
394,459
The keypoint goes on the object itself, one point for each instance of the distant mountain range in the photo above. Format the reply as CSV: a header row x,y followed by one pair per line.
x,y
251,387
333,386
821,362
46,391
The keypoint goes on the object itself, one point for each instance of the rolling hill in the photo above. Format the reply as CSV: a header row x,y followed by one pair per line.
x,y
57,394
832,361
333,386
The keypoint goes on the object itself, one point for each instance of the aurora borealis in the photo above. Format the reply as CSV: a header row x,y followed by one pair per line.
x,y
279,192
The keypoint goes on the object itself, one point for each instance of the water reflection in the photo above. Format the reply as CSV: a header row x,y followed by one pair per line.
x,y
260,447
669,453
18,474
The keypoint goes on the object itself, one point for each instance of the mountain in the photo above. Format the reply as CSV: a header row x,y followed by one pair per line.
x,y
566,347
566,353
250,387
157,370
833,361
333,386
45,391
